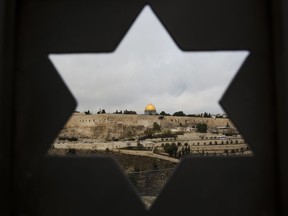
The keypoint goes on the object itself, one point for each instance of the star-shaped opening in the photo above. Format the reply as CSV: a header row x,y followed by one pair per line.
x,y
113,89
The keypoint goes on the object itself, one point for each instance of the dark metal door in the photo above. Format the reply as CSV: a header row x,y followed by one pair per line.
x,y
36,104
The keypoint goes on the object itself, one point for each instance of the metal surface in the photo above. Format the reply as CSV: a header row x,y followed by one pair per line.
x,y
215,186
31,118
7,89
279,34
85,186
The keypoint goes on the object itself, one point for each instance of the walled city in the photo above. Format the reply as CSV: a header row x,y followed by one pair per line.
x,y
126,132
149,147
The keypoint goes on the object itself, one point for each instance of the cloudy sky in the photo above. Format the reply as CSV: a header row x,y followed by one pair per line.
x,y
148,67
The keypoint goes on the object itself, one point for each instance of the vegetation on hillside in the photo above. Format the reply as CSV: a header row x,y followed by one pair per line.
x,y
201,127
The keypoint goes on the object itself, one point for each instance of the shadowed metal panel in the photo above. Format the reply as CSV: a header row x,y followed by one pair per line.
x,y
50,26
249,103
215,186
7,88
237,25
44,103
215,25
86,186
280,66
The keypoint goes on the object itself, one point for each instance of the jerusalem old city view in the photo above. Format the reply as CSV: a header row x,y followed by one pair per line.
x,y
149,144
158,105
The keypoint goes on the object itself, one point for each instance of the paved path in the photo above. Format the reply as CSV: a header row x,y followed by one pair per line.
x,y
147,154
103,146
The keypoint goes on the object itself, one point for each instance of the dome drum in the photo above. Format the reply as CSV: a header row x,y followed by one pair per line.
x,y
150,109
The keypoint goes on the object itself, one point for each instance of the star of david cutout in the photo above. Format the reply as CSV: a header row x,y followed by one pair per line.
x,y
77,185
148,66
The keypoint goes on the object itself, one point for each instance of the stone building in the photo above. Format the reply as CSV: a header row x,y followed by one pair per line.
x,y
150,109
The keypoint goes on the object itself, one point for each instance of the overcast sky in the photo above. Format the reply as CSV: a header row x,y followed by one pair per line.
x,y
148,67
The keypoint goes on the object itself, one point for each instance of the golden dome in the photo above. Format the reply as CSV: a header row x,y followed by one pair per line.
x,y
150,107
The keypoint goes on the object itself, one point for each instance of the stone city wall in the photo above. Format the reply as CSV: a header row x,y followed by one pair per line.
x,y
108,126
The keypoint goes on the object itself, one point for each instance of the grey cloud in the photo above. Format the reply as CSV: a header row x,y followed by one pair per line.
x,y
148,67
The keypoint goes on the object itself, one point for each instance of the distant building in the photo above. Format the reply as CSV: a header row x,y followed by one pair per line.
x,y
150,109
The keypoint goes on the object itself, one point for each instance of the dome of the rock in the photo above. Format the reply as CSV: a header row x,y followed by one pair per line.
x,y
150,109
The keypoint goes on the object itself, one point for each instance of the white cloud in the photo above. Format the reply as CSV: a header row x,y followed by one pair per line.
x,y
148,67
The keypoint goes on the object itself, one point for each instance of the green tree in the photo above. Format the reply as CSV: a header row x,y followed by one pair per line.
x,y
156,127
201,127
164,113
207,115
87,112
171,149
131,112
149,132
179,113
